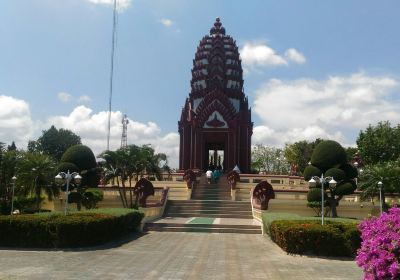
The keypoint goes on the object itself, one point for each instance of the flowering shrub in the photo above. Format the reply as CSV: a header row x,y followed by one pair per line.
x,y
379,255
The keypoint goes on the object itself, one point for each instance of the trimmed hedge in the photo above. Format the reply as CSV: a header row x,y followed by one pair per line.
x,y
310,237
79,229
268,218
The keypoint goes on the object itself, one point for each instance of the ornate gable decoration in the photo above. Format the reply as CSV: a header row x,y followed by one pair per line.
x,y
216,120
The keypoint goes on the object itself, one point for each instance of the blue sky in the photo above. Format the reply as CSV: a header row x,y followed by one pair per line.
x,y
312,68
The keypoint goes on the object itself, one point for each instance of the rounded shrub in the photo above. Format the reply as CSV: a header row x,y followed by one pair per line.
x,y
328,154
80,155
336,173
350,170
346,187
310,171
314,194
67,166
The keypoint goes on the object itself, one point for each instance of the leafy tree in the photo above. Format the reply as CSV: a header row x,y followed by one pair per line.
x,y
386,172
55,142
33,146
379,143
330,158
350,152
299,153
129,163
8,160
269,160
12,147
36,175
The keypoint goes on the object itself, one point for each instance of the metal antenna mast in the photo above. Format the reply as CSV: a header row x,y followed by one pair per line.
x,y
124,137
114,31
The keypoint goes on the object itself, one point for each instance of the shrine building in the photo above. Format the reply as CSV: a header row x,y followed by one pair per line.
x,y
215,126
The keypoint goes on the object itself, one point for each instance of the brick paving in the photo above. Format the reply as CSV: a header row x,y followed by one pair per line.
x,y
175,256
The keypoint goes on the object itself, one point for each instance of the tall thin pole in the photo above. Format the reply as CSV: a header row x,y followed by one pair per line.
x,y
111,72
322,202
380,198
12,197
68,177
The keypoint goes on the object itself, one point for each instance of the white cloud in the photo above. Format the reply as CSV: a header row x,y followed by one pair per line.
x,y
295,56
84,98
166,22
258,55
92,128
64,96
121,4
17,125
335,108
15,121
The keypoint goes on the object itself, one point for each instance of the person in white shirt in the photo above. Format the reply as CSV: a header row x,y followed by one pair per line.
x,y
209,175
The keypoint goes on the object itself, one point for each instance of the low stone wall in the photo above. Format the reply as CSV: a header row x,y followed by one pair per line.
x,y
274,180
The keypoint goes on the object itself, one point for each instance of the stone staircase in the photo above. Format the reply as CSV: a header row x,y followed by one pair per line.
x,y
210,210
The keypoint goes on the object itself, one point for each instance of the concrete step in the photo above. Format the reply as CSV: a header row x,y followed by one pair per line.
x,y
211,191
211,197
206,228
210,211
209,215
200,207
203,225
209,203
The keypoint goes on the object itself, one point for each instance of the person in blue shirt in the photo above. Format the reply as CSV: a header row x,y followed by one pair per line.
x,y
216,175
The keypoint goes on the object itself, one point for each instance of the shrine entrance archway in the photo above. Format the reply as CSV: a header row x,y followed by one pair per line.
x,y
215,155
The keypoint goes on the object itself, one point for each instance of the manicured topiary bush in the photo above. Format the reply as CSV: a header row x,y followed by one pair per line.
x,y
350,170
328,154
80,155
379,255
310,237
80,158
67,166
83,157
329,158
74,230
311,171
336,173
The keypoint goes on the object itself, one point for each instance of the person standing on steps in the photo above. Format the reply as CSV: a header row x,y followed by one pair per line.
x,y
209,174
216,175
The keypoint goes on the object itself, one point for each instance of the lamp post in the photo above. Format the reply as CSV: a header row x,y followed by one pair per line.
x,y
313,182
12,196
356,166
380,185
65,178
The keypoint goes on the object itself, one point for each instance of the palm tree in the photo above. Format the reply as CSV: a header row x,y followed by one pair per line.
x,y
36,175
112,171
152,163
388,173
130,162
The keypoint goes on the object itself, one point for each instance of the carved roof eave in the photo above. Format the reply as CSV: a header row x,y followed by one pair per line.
x,y
228,92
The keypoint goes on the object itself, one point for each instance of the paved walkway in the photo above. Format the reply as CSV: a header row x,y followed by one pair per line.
x,y
176,256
